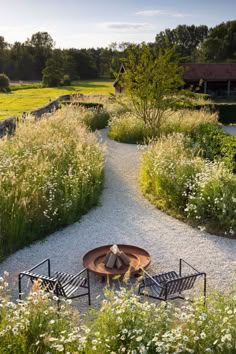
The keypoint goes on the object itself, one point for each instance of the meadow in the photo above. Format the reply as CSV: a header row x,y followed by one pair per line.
x,y
25,98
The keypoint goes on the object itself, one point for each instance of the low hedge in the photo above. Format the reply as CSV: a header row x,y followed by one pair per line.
x,y
88,104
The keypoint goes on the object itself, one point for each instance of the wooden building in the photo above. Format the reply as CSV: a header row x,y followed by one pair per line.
x,y
117,83
214,79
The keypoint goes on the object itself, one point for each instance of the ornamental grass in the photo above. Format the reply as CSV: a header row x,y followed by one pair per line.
x,y
51,172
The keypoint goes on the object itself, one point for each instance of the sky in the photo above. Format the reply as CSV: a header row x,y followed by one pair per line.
x,y
98,23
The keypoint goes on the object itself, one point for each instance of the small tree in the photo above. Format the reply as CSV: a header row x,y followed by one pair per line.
x,y
4,83
153,83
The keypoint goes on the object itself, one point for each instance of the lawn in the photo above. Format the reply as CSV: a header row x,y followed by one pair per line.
x,y
25,98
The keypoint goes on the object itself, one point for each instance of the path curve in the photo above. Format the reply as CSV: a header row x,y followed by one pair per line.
x,y
124,216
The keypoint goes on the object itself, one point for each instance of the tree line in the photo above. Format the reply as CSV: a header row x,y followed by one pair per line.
x,y
38,57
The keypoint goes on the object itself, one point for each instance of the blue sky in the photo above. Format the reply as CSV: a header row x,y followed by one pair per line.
x,y
97,23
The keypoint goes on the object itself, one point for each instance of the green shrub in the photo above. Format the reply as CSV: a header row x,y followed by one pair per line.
x,y
128,129
227,112
94,118
213,200
168,170
51,173
215,144
4,83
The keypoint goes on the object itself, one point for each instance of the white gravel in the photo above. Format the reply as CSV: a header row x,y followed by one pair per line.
x,y
124,216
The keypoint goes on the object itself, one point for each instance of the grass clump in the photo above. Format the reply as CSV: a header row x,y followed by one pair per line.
x,y
128,129
189,187
123,324
186,121
51,173
168,170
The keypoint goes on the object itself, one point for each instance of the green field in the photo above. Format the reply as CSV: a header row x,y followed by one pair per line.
x,y
25,98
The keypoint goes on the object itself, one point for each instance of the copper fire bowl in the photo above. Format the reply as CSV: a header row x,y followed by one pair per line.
x,y
94,260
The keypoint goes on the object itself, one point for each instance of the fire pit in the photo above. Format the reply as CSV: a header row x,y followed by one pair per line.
x,y
116,259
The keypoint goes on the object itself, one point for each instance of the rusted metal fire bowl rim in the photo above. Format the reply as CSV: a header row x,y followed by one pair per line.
x,y
94,260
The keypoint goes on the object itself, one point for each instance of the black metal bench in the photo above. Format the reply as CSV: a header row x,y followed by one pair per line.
x,y
60,284
170,285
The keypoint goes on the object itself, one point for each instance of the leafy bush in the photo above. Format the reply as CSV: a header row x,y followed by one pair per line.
x,y
123,324
168,170
51,173
213,200
128,129
215,144
4,83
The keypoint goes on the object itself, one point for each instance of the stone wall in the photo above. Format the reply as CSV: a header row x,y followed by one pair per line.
x,y
8,126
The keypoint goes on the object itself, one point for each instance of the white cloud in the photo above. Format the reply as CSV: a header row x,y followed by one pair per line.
x,y
127,26
151,13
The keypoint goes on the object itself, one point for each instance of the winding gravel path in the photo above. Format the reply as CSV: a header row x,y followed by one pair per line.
x,y
126,217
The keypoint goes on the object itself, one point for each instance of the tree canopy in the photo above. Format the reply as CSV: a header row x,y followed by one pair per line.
x,y
27,60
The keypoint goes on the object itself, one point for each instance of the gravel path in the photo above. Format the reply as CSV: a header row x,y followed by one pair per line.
x,y
126,217
230,129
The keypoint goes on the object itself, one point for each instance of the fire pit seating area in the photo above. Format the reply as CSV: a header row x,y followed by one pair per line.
x,y
116,260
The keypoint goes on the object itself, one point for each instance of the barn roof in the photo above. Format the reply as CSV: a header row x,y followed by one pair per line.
x,y
211,72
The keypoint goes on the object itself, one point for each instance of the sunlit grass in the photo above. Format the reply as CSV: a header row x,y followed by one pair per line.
x,y
27,99
51,173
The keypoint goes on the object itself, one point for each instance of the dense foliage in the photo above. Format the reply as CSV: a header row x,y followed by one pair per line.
x,y
26,61
123,324
51,172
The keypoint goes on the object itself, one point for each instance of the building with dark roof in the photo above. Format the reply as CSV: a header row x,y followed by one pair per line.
x,y
214,79
217,79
